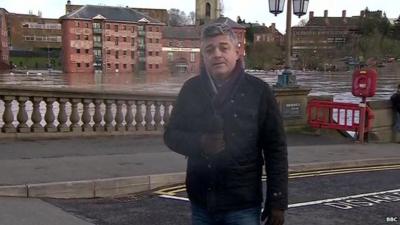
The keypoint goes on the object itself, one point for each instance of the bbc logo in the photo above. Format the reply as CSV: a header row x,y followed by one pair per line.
x,y
392,219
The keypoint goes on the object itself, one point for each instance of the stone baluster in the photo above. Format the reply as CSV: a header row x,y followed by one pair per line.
x,y
148,118
129,116
108,116
157,116
98,117
22,116
139,116
166,113
119,117
86,117
36,115
75,116
49,116
62,116
8,116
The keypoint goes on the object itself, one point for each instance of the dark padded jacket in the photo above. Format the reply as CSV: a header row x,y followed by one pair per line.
x,y
254,135
395,98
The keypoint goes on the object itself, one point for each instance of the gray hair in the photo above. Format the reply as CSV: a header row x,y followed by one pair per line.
x,y
216,29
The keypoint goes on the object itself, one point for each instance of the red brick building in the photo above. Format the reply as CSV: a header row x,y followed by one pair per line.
x,y
181,46
267,34
111,39
4,52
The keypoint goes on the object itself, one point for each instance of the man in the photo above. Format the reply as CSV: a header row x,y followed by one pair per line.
x,y
395,98
228,124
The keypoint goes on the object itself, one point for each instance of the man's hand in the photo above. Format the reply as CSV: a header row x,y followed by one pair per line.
x,y
273,217
212,143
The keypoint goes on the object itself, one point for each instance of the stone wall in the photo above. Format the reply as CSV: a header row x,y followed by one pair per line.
x,y
382,126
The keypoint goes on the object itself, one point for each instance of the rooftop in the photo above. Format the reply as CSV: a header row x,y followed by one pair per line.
x,y
110,13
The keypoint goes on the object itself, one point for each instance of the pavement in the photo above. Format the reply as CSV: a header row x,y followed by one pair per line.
x,y
119,165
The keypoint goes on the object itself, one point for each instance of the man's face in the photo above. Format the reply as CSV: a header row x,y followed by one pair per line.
x,y
219,56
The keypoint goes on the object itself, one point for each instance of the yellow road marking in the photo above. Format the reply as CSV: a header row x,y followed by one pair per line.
x,y
172,191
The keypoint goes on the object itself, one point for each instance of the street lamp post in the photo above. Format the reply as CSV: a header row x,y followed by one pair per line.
x,y
300,8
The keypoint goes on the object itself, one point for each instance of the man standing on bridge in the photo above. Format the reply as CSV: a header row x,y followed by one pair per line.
x,y
228,124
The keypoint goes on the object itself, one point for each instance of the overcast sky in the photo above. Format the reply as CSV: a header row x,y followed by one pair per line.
x,y
250,10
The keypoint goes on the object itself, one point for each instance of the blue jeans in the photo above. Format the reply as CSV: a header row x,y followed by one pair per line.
x,y
250,216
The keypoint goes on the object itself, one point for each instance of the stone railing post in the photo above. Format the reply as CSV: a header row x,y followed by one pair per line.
x,y
75,116
108,116
49,116
157,116
119,117
22,116
36,115
62,116
98,117
8,116
129,116
138,116
166,113
86,117
148,118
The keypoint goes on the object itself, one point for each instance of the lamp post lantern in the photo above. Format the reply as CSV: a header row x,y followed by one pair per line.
x,y
300,8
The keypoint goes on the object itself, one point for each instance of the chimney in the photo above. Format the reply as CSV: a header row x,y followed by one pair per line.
x,y
69,2
311,15
273,25
344,14
326,13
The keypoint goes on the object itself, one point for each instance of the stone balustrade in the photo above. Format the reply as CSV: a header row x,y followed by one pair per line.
x,y
27,111
60,112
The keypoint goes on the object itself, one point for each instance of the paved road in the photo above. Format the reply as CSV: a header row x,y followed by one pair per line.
x,y
363,197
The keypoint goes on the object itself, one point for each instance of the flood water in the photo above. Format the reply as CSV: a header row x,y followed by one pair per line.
x,y
336,84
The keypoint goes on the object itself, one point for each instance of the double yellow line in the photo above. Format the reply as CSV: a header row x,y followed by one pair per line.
x,y
172,191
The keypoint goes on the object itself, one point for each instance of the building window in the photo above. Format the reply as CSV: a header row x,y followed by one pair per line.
x,y
124,27
150,66
96,25
116,40
170,56
133,67
132,54
150,53
78,65
133,29
124,53
117,66
78,51
108,38
150,40
87,65
157,53
108,65
124,39
97,52
192,57
157,66
77,24
150,29
97,38
108,27
208,9
86,51
78,37
108,51
86,37
157,29
133,42
116,28
117,54
87,25
170,44
157,40
124,66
